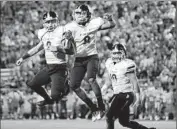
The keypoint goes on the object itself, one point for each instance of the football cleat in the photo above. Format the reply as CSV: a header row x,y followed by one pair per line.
x,y
100,115
95,115
95,112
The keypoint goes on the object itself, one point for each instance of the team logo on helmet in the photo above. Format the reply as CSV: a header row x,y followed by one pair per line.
x,y
50,20
82,14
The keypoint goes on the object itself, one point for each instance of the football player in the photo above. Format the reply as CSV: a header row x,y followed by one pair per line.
x,y
56,43
125,87
84,28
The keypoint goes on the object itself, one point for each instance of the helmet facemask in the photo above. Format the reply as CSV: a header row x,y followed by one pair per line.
x,y
50,21
118,52
82,15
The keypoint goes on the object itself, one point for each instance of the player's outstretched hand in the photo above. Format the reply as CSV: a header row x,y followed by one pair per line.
x,y
108,16
19,61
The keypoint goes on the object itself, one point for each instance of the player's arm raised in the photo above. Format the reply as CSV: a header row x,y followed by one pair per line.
x,y
30,53
109,22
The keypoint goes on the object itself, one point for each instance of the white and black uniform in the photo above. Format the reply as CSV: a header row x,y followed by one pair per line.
x,y
86,57
123,94
55,70
117,72
53,38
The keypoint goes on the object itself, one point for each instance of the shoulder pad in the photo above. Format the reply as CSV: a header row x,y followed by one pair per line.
x,y
97,20
41,33
131,66
70,25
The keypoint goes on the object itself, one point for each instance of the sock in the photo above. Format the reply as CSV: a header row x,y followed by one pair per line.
x,y
96,89
110,124
82,95
100,103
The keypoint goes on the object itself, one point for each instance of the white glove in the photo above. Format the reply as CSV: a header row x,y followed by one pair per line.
x,y
19,61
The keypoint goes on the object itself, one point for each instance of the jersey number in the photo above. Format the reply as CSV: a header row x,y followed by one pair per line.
x,y
86,39
113,77
48,45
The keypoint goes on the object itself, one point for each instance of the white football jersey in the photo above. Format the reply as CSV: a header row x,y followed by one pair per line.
x,y
52,39
84,36
117,72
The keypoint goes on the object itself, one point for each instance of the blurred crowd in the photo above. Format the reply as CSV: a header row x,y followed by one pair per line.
x,y
21,104
147,28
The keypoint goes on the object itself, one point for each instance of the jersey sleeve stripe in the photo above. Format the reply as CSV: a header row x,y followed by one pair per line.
x,y
132,71
131,67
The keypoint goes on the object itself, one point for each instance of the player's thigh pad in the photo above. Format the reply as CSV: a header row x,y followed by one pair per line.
x,y
40,79
114,108
92,67
58,78
77,75
126,99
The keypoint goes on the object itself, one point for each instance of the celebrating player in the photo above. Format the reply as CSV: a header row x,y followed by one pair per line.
x,y
56,44
125,87
84,29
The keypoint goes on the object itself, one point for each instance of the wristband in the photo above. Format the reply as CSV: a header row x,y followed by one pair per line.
x,y
25,56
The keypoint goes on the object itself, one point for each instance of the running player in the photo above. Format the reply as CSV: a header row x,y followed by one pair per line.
x,y
84,29
124,83
56,44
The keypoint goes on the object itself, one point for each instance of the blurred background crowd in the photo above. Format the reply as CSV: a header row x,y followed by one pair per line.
x,y
147,28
